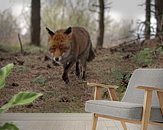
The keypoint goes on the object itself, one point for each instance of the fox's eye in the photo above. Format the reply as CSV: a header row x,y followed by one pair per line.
x,y
65,48
51,49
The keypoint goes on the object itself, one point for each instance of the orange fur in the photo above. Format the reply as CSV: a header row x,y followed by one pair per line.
x,y
69,46
58,43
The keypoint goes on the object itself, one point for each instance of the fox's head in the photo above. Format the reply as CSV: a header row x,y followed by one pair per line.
x,y
59,44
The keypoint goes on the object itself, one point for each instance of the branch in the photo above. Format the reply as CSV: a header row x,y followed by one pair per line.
x,y
152,29
107,7
94,11
153,5
72,7
152,11
108,3
145,4
21,46
141,4
141,25
94,5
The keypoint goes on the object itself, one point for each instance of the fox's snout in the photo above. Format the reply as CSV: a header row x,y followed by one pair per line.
x,y
56,55
57,59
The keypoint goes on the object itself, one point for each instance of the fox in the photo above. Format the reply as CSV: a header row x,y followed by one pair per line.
x,y
71,46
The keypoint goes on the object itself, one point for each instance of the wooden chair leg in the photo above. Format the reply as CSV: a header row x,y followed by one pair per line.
x,y
124,125
94,121
146,110
160,98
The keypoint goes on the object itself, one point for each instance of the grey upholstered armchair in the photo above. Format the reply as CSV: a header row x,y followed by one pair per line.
x,y
141,104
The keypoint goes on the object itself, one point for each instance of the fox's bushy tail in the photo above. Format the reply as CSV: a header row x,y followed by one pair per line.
x,y
91,55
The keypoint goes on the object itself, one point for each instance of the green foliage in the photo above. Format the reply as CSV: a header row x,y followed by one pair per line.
x,y
39,80
8,126
35,49
21,69
159,50
144,57
4,72
9,47
21,98
121,78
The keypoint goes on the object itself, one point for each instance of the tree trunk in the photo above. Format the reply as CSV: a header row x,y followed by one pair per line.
x,y
148,19
159,17
35,22
100,36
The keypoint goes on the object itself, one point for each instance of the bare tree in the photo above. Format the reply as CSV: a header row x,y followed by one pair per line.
x,y
159,16
100,36
101,24
35,22
147,19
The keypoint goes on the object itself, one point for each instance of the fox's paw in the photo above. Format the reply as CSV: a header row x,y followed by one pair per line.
x,y
77,74
65,79
83,78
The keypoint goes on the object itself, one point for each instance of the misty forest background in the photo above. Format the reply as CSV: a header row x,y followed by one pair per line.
x,y
120,45
91,14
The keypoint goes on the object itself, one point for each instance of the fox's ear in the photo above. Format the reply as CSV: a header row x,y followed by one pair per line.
x,y
51,33
68,31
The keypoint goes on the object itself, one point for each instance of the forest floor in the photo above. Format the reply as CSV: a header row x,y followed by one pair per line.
x,y
33,73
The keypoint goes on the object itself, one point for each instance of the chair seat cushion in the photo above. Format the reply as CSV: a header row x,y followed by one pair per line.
x,y
125,110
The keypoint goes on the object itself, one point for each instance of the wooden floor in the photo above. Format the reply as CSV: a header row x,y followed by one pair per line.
x,y
57,121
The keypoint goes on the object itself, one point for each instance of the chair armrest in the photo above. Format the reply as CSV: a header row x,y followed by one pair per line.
x,y
147,88
111,89
148,101
102,85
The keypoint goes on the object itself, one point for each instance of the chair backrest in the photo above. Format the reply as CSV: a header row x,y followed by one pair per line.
x,y
143,77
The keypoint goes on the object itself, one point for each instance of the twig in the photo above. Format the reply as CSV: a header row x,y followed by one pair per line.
x,y
21,46
141,4
108,3
94,11
95,5
107,7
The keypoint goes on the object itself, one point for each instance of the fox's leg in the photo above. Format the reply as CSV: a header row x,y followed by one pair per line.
x,y
66,69
77,69
83,63
83,71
